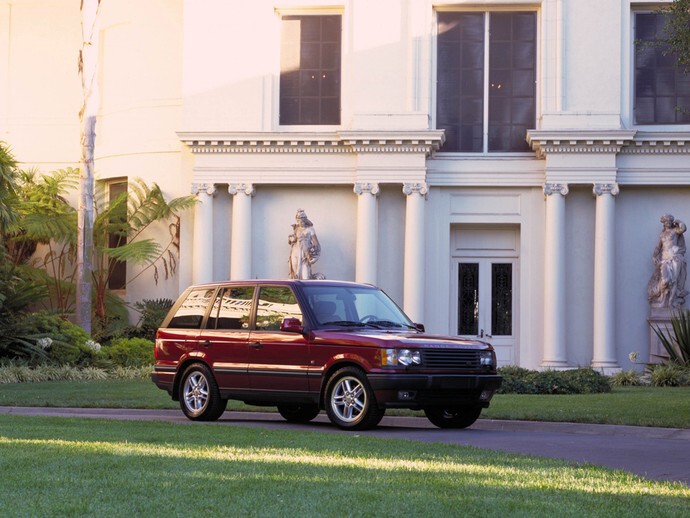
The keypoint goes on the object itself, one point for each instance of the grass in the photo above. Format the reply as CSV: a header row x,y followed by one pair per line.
x,y
73,467
637,406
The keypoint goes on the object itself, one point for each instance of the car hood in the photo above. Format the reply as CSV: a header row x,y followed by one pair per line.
x,y
390,339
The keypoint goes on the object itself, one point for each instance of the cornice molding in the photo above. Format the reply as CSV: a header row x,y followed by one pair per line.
x,y
659,143
413,141
577,141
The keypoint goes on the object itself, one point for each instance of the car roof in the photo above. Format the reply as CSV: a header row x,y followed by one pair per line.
x,y
283,282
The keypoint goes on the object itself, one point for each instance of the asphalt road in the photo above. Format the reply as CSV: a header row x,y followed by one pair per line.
x,y
654,453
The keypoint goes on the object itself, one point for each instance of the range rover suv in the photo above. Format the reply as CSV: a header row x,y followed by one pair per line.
x,y
307,346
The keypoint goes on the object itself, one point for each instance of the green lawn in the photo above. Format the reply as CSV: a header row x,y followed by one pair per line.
x,y
646,406
73,467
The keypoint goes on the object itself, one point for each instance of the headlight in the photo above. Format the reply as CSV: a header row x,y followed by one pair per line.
x,y
486,359
404,357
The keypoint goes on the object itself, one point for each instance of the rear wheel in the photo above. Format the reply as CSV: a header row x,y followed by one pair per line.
x,y
199,395
350,401
453,417
299,413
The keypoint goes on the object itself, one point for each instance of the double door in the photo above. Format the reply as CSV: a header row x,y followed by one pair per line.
x,y
484,286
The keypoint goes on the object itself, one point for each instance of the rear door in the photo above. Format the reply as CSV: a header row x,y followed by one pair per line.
x,y
224,340
278,361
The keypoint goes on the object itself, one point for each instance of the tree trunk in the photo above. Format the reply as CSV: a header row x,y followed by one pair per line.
x,y
88,64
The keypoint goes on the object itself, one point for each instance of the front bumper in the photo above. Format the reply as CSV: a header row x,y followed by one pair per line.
x,y
424,390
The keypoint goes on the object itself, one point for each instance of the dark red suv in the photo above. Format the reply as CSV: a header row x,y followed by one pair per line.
x,y
304,346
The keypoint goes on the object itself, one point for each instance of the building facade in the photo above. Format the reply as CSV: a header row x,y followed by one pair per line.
x,y
498,167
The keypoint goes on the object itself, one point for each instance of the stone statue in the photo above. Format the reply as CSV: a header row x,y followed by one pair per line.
x,y
304,248
666,288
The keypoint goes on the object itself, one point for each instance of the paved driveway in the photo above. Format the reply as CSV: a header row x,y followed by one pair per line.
x,y
655,453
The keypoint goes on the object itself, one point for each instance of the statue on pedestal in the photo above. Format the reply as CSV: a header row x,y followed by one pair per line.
x,y
304,248
666,288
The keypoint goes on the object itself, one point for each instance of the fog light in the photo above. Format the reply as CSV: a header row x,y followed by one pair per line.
x,y
486,395
406,394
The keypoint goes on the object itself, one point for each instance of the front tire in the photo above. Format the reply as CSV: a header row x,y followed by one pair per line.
x,y
298,413
453,417
199,395
350,402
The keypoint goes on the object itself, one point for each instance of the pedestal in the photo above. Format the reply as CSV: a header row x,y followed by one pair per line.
x,y
658,318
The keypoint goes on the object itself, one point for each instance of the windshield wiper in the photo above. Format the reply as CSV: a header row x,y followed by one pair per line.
x,y
383,323
343,323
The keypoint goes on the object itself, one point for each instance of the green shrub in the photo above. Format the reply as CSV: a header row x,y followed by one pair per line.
x,y
68,343
627,378
131,352
669,375
517,380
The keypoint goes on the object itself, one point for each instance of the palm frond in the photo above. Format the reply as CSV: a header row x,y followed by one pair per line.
x,y
138,252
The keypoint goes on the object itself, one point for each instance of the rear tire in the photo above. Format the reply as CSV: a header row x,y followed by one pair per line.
x,y
199,395
453,417
299,413
350,402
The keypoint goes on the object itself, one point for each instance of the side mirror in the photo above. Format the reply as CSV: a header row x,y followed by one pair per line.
x,y
292,325
420,327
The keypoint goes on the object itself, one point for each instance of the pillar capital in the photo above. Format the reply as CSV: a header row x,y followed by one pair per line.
x,y
364,188
605,188
207,188
246,188
553,188
420,188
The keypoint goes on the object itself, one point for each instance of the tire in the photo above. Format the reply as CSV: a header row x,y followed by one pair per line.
x,y
350,402
453,417
299,413
199,395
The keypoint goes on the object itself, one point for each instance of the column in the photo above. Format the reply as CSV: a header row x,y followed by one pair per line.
x,y
604,353
366,256
241,244
202,253
554,355
415,248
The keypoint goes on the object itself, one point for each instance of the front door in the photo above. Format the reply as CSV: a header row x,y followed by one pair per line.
x,y
484,287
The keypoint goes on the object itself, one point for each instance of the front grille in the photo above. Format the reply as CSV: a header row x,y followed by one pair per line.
x,y
450,358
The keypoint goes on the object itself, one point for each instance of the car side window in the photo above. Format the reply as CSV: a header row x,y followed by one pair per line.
x,y
191,312
275,304
232,308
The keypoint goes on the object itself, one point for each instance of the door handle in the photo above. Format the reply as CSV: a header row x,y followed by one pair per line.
x,y
482,334
256,345
206,343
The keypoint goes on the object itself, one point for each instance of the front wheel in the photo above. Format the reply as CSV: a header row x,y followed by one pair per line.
x,y
199,395
453,417
299,413
350,402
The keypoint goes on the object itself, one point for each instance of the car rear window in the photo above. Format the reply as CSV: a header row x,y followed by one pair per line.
x,y
191,312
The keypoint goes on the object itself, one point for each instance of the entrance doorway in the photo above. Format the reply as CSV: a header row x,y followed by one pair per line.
x,y
484,278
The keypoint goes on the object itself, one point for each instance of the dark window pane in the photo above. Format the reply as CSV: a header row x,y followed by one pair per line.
x,y
512,80
117,233
310,70
661,89
502,299
460,77
468,299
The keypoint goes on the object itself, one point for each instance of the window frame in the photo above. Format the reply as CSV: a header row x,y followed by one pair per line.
x,y
325,11
485,153
630,91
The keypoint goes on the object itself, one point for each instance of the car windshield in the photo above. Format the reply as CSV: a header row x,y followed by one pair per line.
x,y
354,307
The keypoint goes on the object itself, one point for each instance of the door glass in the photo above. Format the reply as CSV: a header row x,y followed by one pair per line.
x,y
502,299
468,299
275,304
232,309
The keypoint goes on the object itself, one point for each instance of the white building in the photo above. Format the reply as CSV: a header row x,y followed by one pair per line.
x,y
498,167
